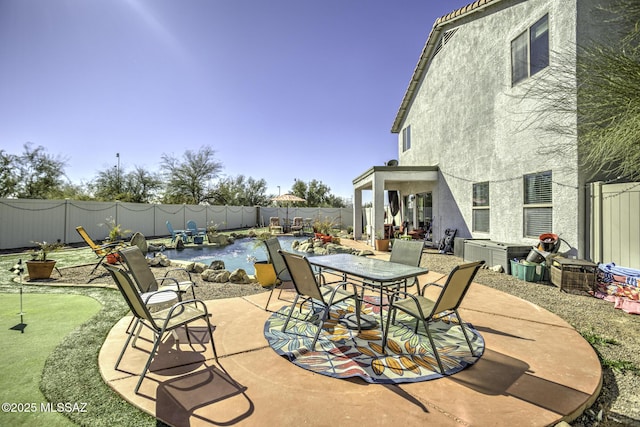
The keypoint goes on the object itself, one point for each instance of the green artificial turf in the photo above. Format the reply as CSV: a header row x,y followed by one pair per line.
x,y
47,319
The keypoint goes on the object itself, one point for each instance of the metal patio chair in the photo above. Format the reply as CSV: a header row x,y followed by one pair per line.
x,y
307,287
160,322
425,311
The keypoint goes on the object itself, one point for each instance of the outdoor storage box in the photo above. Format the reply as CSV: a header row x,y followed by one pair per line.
x,y
494,253
573,274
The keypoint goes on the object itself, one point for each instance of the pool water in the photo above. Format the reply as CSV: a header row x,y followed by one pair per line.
x,y
234,255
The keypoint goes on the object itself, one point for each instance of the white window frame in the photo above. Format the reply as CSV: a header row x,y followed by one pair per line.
x,y
406,138
481,207
531,39
537,204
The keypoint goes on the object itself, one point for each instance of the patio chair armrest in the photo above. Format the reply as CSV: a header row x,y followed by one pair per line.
x,y
421,291
160,280
393,298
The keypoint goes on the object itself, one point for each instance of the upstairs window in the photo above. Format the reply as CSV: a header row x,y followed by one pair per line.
x,y
406,138
538,208
480,220
530,51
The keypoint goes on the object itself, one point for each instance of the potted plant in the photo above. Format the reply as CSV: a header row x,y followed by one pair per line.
x,y
382,243
39,267
116,232
212,232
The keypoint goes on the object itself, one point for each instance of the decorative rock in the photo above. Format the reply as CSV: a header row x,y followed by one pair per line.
x,y
239,276
222,277
179,244
217,264
219,239
497,268
159,259
138,240
198,267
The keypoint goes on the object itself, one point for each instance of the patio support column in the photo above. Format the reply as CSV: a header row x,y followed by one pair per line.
x,y
378,207
357,214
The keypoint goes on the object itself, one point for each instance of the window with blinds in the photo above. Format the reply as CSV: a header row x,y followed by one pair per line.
x,y
481,212
538,204
530,51
406,138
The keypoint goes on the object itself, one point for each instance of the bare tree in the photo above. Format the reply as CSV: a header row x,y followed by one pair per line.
x,y
593,96
190,180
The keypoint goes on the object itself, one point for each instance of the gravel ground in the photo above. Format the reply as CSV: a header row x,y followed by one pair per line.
x,y
614,334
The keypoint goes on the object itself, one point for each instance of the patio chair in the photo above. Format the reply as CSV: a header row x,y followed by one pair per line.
x,y
304,280
160,322
177,233
196,233
282,273
426,311
405,252
297,224
101,251
274,224
145,279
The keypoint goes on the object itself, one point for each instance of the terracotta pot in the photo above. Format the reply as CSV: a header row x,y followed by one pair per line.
x,y
112,258
265,273
382,245
40,269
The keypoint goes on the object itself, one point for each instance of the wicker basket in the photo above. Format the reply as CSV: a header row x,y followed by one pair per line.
x,y
573,277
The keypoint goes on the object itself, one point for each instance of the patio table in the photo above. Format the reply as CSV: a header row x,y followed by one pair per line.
x,y
365,271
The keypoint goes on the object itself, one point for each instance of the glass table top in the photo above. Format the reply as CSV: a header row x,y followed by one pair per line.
x,y
367,268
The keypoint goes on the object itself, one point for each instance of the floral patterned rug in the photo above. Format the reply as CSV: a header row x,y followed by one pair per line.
x,y
343,353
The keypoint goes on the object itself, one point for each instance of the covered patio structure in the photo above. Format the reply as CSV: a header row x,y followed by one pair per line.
x,y
409,181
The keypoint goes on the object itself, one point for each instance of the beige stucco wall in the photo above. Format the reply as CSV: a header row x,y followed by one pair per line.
x,y
468,119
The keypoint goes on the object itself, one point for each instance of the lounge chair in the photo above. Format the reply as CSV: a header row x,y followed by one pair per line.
x,y
274,224
304,280
297,225
177,233
146,280
101,251
425,311
160,322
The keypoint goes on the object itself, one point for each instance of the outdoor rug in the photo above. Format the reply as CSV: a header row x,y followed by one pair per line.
x,y
341,353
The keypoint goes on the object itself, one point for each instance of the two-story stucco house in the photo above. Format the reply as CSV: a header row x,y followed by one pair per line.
x,y
472,152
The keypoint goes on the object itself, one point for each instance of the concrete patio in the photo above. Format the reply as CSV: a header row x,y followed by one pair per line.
x,y
536,371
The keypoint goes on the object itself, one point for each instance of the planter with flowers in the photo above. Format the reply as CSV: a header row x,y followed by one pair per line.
x,y
40,267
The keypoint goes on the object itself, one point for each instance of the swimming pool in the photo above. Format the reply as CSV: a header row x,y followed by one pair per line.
x,y
234,255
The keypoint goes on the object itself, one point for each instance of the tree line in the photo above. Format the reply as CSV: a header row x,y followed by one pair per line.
x,y
193,178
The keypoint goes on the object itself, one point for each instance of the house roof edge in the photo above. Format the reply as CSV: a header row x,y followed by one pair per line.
x,y
421,66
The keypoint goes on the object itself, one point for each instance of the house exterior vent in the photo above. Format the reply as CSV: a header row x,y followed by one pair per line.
x,y
444,40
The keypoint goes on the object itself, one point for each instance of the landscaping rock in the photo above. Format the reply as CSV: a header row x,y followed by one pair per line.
x,y
198,267
219,239
159,260
239,276
139,240
217,264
